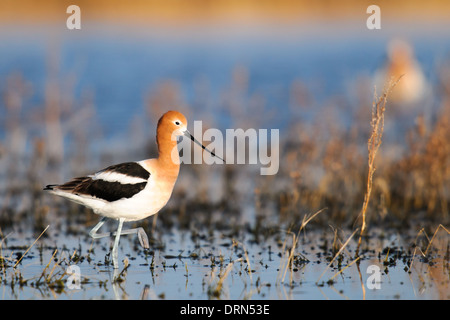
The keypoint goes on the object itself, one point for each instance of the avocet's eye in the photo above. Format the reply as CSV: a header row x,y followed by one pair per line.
x,y
177,123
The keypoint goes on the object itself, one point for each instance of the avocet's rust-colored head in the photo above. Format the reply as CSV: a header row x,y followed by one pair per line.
x,y
173,124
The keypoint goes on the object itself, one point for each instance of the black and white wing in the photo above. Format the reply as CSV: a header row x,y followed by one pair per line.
x,y
111,184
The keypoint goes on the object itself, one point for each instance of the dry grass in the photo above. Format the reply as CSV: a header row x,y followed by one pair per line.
x,y
215,290
430,242
289,254
373,144
419,180
337,254
20,259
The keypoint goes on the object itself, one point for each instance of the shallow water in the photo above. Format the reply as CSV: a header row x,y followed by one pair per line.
x,y
183,265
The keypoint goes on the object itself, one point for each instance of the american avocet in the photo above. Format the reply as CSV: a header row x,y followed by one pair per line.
x,y
133,190
402,62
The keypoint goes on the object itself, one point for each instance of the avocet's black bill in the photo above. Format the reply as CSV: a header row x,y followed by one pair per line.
x,y
190,136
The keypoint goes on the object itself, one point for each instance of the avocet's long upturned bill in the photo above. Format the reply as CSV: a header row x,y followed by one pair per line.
x,y
133,190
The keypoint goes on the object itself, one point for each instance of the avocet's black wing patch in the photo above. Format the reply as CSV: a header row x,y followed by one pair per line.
x,y
109,191
111,184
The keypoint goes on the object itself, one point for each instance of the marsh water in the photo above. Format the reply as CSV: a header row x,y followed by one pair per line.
x,y
227,251
181,265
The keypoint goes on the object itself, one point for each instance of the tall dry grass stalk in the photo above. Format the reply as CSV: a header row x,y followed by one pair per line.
x,y
373,144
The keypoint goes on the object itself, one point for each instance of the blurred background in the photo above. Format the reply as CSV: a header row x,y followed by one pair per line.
x,y
75,101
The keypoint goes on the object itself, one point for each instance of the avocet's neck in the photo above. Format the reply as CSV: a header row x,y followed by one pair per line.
x,y
168,157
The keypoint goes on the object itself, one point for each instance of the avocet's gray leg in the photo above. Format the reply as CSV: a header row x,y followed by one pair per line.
x,y
115,249
142,236
93,232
